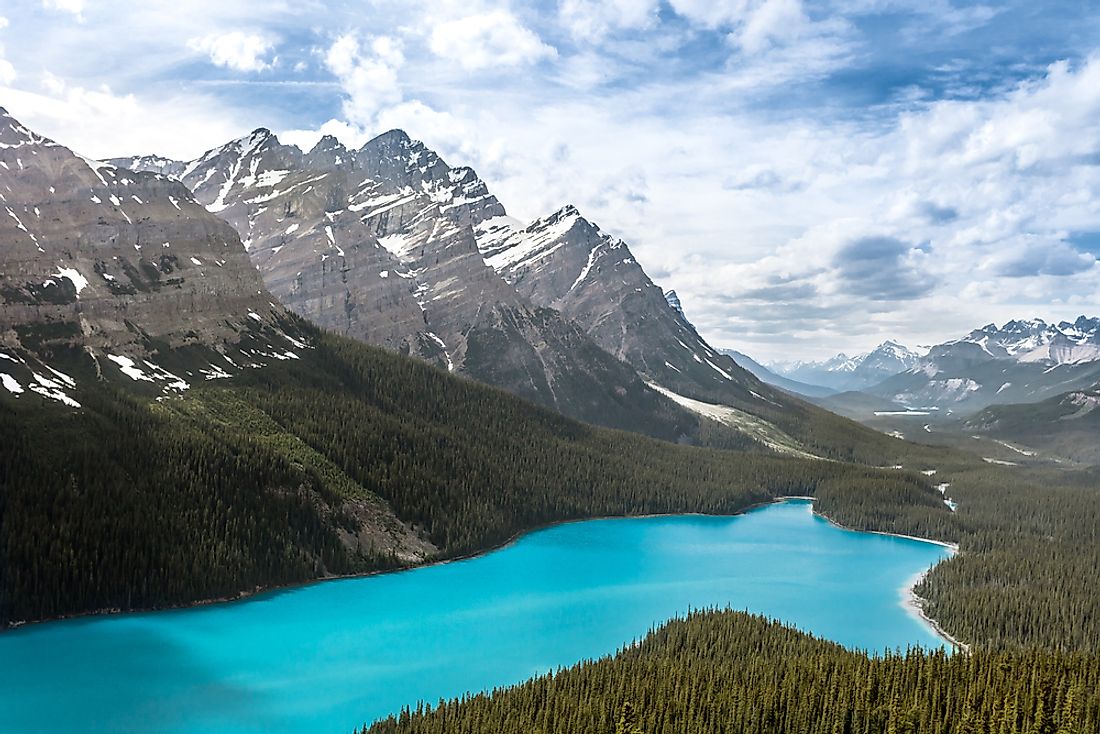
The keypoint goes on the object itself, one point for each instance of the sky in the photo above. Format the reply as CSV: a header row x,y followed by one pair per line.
x,y
810,177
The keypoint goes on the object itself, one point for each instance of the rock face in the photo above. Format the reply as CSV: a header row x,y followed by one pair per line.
x,y
567,263
120,265
1020,362
379,244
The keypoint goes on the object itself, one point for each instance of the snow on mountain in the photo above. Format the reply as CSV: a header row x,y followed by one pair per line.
x,y
1037,341
843,372
379,244
125,267
1021,362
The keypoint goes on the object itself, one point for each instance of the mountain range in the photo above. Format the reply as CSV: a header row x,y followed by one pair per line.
x,y
169,432
842,373
390,245
1024,361
1020,362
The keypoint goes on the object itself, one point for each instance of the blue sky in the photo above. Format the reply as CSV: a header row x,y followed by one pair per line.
x,y
810,176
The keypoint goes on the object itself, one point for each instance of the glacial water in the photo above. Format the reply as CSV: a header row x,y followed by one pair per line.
x,y
325,658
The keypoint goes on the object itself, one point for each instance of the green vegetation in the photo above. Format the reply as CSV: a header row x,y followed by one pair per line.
x,y
271,478
1067,425
1029,542
731,672
330,464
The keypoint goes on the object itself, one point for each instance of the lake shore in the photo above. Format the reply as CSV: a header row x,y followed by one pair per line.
x,y
911,602
913,607
277,588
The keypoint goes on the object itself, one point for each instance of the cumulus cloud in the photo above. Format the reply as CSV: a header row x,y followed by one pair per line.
x,y
591,20
367,70
486,40
883,268
88,120
236,50
1031,256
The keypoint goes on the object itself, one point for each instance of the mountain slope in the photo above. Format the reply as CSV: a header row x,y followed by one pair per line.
x,y
764,374
124,266
1066,425
567,263
378,244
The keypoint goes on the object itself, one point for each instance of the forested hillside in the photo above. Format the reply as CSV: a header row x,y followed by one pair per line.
x,y
346,459
1029,541
731,672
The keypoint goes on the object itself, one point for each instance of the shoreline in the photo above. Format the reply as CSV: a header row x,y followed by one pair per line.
x,y
276,588
910,601
914,607
913,604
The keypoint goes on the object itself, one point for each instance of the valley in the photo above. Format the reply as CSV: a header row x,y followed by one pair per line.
x,y
227,378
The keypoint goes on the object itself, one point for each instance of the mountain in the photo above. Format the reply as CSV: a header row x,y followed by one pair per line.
x,y
766,375
1066,425
170,434
390,245
567,263
125,267
1020,362
378,244
843,373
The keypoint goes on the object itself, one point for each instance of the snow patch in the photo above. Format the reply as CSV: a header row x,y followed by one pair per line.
x,y
11,384
74,276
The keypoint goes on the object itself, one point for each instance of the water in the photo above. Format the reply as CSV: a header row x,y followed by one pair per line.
x,y
331,656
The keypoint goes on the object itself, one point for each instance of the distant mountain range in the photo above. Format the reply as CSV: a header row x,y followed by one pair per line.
x,y
770,377
841,373
1020,362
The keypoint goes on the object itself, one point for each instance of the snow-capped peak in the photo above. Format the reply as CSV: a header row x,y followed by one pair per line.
x,y
1034,340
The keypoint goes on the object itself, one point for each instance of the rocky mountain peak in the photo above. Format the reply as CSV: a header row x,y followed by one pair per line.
x,y
122,265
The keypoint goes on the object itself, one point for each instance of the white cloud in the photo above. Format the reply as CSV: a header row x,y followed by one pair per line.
x,y
486,40
100,123
3,22
772,21
714,13
76,7
236,50
591,20
367,73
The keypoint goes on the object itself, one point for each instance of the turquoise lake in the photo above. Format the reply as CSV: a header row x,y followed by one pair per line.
x,y
328,657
